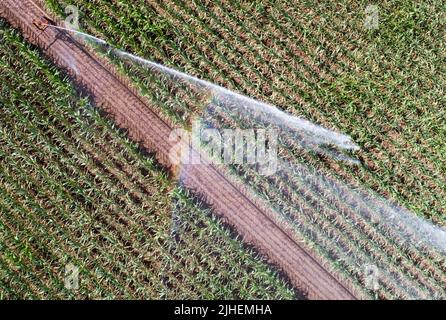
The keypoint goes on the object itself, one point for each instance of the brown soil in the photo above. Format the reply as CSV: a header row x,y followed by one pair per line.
x,y
252,219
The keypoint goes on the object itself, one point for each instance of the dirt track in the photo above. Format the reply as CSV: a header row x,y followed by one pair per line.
x,y
241,210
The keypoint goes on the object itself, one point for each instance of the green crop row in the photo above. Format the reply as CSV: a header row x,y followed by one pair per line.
x,y
304,203
313,59
75,189
324,99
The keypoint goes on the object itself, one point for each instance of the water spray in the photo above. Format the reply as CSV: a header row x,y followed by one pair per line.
x,y
312,198
317,135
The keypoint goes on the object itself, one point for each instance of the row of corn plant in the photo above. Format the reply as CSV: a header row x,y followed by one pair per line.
x,y
66,185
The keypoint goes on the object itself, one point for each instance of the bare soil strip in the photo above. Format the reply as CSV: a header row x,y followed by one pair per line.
x,y
113,94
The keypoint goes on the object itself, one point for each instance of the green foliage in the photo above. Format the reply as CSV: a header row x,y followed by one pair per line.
x,y
315,59
384,87
74,189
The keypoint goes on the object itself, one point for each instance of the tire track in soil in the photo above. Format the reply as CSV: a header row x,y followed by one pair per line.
x,y
113,94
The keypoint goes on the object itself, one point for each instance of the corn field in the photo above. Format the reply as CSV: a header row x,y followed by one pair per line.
x,y
75,189
134,232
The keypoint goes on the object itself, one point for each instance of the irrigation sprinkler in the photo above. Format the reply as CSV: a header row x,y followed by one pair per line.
x,y
43,22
